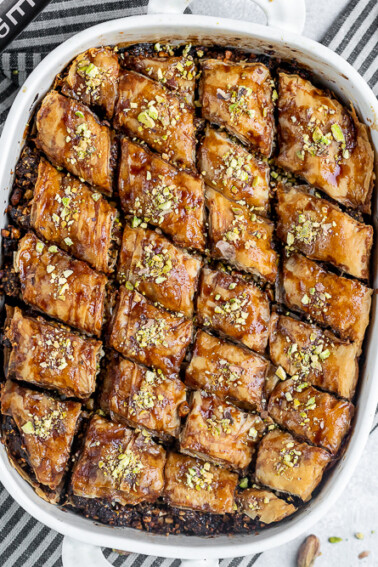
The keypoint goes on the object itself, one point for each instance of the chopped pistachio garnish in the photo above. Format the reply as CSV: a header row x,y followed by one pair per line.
x,y
152,333
227,372
159,201
280,372
146,118
289,457
309,358
233,309
146,398
94,78
154,265
42,427
236,165
122,466
338,133
28,428
238,102
244,482
335,539
83,145
217,425
199,477
308,228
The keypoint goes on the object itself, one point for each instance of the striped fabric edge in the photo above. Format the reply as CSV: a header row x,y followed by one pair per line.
x,y
354,36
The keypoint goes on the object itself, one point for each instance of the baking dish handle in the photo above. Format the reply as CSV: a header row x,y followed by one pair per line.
x,y
76,553
289,15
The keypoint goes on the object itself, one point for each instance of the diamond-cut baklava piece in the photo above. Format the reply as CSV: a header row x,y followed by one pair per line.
x,y
163,120
314,355
234,307
238,96
143,398
196,485
228,371
286,465
45,430
156,192
322,231
176,73
93,79
229,168
241,237
324,143
118,464
340,303
66,212
318,417
264,505
148,334
54,283
158,269
50,355
220,432
71,136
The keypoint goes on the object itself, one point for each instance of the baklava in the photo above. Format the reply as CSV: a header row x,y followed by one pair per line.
x,y
188,289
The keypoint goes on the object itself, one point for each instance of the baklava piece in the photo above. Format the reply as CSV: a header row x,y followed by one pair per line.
x,y
229,168
220,432
263,505
240,237
234,307
322,231
148,334
118,464
40,445
66,212
156,192
93,79
239,96
176,73
54,283
163,120
50,356
196,485
143,398
316,417
286,465
333,301
228,371
324,143
72,137
313,355
158,269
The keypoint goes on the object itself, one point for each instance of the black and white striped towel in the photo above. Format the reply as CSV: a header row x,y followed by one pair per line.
x,y
24,542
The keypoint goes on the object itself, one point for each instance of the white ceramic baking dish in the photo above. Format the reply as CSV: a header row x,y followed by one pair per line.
x,y
166,22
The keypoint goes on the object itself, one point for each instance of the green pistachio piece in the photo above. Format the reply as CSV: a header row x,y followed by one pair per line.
x,y
244,482
28,428
337,133
146,119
